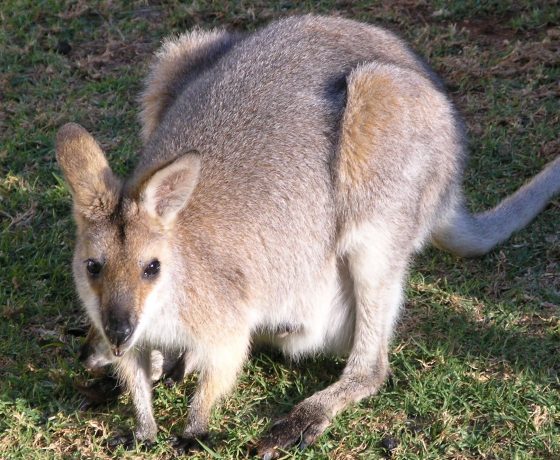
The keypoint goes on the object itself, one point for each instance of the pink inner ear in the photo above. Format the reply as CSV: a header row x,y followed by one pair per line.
x,y
169,189
173,193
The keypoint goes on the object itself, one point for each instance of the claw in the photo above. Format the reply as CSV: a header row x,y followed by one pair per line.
x,y
300,428
303,445
186,444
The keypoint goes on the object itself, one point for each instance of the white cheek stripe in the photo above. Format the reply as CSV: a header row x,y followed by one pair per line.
x,y
90,302
153,307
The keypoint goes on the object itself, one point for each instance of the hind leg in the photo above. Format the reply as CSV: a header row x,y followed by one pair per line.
x,y
396,161
378,269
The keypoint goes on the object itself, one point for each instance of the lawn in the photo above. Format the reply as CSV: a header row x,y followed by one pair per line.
x,y
476,358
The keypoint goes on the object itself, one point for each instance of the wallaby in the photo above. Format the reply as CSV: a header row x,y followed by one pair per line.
x,y
286,179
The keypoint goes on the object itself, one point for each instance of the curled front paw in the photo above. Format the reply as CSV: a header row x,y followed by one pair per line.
x,y
301,428
104,390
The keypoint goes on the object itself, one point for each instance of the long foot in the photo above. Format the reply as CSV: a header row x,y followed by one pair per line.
x,y
301,428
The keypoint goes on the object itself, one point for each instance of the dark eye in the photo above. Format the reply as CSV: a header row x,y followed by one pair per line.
x,y
93,267
152,269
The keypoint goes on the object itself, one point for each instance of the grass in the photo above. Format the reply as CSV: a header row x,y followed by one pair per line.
x,y
475,359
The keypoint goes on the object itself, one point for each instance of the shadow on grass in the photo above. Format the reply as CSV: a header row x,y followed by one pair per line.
x,y
469,322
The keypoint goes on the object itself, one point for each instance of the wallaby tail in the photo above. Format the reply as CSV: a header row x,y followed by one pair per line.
x,y
470,235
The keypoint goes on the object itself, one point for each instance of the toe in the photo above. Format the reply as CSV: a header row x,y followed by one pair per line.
x,y
312,432
300,428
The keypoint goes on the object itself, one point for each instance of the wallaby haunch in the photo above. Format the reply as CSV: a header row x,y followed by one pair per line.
x,y
286,180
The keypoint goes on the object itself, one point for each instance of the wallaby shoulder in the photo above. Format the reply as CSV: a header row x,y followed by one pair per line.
x,y
180,59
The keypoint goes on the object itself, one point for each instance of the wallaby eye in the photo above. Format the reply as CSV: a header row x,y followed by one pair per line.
x,y
93,267
152,269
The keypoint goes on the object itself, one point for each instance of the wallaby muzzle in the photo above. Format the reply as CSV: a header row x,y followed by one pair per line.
x,y
119,325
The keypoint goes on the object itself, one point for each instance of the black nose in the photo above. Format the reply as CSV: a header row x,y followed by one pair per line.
x,y
119,335
118,326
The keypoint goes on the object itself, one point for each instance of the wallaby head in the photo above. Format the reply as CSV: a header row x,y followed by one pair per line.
x,y
125,233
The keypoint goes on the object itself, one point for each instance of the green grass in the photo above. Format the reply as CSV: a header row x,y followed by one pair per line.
x,y
476,357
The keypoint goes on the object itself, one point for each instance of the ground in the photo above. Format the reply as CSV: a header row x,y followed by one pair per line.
x,y
475,359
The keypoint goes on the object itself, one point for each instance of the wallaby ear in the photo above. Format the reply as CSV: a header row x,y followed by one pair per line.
x,y
168,190
94,187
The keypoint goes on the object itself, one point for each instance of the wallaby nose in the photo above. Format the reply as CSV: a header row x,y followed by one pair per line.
x,y
120,334
118,327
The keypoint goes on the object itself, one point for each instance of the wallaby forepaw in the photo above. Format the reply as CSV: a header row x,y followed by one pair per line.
x,y
129,442
301,428
101,391
185,444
